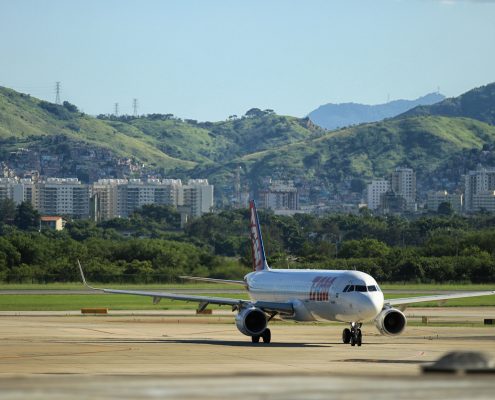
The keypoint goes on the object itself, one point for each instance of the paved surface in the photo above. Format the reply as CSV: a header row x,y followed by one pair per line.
x,y
183,356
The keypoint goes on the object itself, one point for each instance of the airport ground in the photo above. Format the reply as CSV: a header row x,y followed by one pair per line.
x,y
177,354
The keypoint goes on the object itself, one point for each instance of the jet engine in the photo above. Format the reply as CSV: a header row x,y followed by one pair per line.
x,y
251,321
390,322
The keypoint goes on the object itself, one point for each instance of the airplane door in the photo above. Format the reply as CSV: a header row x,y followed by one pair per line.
x,y
333,295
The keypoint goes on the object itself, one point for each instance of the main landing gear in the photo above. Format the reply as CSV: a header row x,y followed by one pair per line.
x,y
353,335
266,336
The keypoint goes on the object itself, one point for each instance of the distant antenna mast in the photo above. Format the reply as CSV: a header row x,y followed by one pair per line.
x,y
237,187
116,109
57,92
135,107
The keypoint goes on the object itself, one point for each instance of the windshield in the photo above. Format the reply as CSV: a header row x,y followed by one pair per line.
x,y
361,288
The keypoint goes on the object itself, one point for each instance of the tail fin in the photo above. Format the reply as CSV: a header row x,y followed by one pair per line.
x,y
257,248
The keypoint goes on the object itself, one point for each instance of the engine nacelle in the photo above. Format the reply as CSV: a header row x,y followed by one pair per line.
x,y
391,322
251,321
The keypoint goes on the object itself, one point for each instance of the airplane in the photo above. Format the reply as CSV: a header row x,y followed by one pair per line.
x,y
303,295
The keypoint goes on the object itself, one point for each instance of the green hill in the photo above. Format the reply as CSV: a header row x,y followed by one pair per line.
x,y
29,120
373,150
478,104
265,144
157,140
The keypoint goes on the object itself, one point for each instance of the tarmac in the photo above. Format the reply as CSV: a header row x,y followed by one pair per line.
x,y
176,354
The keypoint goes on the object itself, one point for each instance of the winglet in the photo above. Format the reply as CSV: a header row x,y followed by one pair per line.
x,y
257,247
83,278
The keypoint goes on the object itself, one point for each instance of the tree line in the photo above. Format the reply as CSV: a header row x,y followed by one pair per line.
x,y
150,246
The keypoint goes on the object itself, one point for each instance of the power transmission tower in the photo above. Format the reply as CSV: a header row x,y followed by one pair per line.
x,y
135,107
57,92
237,187
116,109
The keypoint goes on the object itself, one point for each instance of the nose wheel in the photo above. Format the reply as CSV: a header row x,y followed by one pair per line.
x,y
352,335
266,336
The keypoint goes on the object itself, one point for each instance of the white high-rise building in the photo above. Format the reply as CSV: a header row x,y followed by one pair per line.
x,y
476,182
197,197
484,201
280,196
374,191
63,196
18,190
434,199
121,197
403,183
106,203
108,198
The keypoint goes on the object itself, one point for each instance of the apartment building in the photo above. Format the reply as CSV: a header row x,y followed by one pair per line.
x,y
120,198
279,196
403,183
478,187
374,192
18,190
196,198
105,201
63,196
434,199
484,201
108,198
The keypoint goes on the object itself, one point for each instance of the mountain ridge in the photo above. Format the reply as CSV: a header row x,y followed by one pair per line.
x,y
477,103
262,143
332,116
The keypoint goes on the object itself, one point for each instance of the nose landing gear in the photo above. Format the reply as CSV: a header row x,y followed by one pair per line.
x,y
266,336
353,335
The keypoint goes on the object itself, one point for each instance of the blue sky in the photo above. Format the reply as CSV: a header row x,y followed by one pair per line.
x,y
212,58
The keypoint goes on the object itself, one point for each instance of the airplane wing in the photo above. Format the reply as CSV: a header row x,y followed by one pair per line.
x,y
267,306
213,280
437,297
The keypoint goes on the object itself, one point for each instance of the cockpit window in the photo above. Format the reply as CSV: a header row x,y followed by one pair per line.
x,y
346,289
361,288
372,288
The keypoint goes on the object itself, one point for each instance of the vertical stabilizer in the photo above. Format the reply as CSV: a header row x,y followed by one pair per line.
x,y
257,248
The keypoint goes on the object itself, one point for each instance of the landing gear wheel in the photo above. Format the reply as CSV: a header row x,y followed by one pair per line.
x,y
346,336
267,336
355,335
255,339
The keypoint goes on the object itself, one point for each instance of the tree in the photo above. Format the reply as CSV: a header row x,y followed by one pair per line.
x,y
358,185
254,112
26,216
70,107
7,211
445,208
364,248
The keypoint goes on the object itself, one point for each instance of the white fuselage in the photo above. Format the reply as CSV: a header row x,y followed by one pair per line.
x,y
346,296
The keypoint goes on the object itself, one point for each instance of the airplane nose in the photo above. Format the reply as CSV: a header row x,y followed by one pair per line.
x,y
372,305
